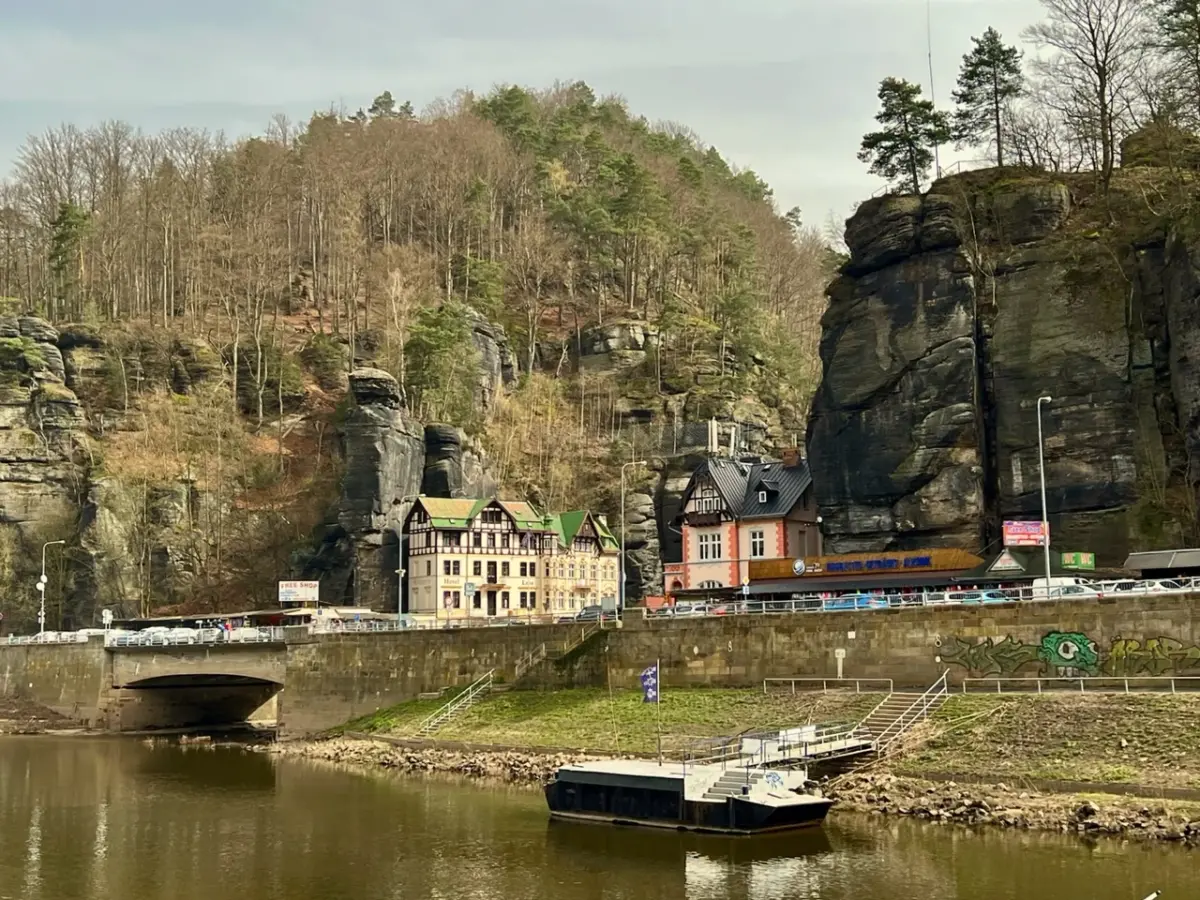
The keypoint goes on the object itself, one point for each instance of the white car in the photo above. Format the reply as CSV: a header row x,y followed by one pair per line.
x,y
1076,592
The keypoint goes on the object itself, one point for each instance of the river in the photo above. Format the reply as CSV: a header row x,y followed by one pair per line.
x,y
93,819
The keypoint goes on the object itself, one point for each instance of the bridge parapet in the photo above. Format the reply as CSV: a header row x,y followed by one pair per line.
x,y
136,665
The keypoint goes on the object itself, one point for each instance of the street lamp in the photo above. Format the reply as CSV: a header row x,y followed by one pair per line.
x,y
621,567
1042,474
400,556
41,587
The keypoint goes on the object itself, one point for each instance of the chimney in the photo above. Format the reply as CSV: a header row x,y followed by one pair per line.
x,y
791,457
603,520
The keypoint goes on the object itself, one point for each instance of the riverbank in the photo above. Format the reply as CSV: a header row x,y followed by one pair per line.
x,y
981,760
27,717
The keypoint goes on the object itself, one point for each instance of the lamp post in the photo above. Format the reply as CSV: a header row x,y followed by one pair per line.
x,y
400,557
1042,475
621,567
41,587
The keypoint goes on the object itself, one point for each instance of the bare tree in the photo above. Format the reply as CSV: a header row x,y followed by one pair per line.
x,y
1097,48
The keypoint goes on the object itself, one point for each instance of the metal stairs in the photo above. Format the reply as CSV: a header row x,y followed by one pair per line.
x,y
553,650
730,784
459,704
900,712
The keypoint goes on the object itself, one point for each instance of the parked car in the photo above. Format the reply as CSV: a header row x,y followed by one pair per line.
x,y
855,601
979,598
689,609
182,635
1075,592
596,613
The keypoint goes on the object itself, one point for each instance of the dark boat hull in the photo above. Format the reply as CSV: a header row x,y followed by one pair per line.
x,y
659,809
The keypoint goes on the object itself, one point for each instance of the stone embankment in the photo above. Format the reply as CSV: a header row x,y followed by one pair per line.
x,y
514,766
1001,806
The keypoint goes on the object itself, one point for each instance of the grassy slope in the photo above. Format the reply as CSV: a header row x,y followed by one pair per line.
x,y
589,719
1137,739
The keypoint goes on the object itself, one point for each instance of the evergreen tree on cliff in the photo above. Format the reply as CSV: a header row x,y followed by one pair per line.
x,y
902,150
990,78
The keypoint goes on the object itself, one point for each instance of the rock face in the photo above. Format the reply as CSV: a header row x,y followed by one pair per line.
x,y
497,366
955,312
455,466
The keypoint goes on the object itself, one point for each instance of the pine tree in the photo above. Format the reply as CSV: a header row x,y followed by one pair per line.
x,y
989,79
902,151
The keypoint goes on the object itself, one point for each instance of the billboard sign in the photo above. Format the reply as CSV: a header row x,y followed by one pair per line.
x,y
1024,534
1086,561
299,593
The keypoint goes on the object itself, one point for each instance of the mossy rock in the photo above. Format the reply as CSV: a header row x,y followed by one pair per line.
x,y
19,358
325,358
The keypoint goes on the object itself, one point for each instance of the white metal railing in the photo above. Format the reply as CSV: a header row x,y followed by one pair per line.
x,y
1112,684
456,705
49,637
920,708
181,637
834,683
782,745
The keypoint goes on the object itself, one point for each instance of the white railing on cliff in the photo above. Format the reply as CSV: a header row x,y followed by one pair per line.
x,y
459,704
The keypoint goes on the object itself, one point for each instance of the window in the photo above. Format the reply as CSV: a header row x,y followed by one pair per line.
x,y
710,546
547,570
523,570
524,599
504,601
476,599
452,538
490,516
561,571
504,570
457,567
445,567
477,539
758,544
477,568
446,599
457,600
572,570
708,503
428,567
504,540
595,573
762,496
709,585
559,601
533,599
491,540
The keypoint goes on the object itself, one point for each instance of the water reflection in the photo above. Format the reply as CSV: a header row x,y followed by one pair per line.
x,y
93,820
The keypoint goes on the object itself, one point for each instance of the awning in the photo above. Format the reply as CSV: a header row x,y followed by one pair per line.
x,y
1163,559
846,585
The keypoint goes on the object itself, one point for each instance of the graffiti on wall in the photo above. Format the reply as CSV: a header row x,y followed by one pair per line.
x,y
1070,654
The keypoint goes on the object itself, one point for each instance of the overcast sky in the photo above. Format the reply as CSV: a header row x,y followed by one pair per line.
x,y
786,87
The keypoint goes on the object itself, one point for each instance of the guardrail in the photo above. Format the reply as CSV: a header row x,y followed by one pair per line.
x,y
1083,683
919,710
206,636
884,685
49,637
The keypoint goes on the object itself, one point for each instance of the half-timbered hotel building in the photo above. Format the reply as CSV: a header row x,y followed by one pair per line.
x,y
498,558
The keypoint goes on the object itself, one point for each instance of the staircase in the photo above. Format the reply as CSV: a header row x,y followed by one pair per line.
x,y
461,703
730,784
554,650
899,712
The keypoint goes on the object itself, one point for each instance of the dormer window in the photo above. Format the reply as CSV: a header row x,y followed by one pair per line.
x,y
762,496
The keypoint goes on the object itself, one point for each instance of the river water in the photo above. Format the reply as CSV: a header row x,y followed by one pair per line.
x,y
93,819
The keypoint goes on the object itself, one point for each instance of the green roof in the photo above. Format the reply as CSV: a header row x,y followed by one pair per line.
x,y
567,525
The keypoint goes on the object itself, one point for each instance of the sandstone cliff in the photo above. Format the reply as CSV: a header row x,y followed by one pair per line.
x,y
956,310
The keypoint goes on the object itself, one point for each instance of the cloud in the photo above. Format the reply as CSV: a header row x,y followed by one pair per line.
x,y
786,87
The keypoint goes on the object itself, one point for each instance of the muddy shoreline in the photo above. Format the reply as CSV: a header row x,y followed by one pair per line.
x,y
973,805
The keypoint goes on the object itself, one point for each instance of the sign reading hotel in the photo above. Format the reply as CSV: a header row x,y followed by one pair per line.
x,y
1024,534
304,593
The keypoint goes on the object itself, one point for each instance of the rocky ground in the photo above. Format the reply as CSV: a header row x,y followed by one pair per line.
x,y
26,717
1007,807
517,767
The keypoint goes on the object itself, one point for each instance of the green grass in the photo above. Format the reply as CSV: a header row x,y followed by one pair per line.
x,y
588,718
1148,739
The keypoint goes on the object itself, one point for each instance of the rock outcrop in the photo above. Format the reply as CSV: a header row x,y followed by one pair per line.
x,y
954,313
455,465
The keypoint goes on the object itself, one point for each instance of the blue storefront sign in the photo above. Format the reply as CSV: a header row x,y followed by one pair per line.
x,y
881,564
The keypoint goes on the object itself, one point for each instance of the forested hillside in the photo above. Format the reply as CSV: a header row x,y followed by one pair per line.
x,y
224,289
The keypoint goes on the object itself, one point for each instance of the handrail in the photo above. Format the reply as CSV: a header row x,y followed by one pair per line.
x,y
936,690
837,682
1084,682
444,712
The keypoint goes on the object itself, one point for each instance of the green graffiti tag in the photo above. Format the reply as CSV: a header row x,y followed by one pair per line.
x,y
1154,656
1059,652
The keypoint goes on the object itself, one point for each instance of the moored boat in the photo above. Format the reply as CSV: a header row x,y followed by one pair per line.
x,y
706,798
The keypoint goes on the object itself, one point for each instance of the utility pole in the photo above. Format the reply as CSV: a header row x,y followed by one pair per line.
x,y
1042,475
41,587
621,567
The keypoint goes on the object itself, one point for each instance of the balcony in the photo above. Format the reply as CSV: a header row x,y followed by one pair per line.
x,y
702,519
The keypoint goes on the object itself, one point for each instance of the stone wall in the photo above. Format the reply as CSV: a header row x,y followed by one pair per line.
x,y
332,678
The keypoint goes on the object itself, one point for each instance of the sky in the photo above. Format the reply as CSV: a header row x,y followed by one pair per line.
x,y
784,87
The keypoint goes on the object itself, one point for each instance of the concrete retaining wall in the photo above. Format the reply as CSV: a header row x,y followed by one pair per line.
x,y
331,678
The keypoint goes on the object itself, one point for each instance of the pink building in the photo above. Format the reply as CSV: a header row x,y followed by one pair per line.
x,y
737,510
